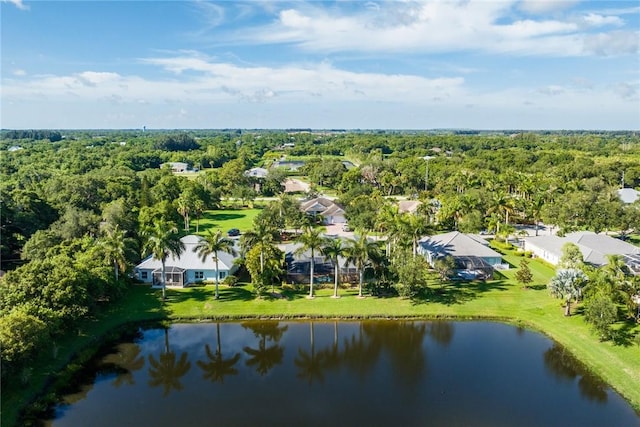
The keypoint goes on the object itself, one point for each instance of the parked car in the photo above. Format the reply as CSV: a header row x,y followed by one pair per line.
x,y
233,232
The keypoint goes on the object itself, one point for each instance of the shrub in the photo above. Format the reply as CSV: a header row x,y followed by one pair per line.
x,y
230,280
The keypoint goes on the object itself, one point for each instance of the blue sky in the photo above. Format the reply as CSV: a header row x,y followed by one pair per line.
x,y
513,64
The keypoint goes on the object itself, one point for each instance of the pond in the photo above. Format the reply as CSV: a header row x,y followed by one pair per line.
x,y
375,373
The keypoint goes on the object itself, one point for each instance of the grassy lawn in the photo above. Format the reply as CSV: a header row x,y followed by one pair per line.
x,y
225,219
618,363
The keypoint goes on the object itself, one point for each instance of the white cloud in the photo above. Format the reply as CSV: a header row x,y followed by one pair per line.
x,y
448,26
18,3
545,6
596,20
18,72
199,91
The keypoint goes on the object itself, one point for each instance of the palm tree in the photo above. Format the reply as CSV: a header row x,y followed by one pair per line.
x,y
311,239
184,209
502,203
211,244
115,246
217,367
262,235
414,227
198,209
359,251
162,240
567,284
333,249
387,222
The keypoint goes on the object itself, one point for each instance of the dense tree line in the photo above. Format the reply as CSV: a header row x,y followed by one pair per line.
x,y
51,135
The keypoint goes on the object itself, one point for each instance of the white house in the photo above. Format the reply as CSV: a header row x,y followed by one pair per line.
x,y
594,247
176,166
259,173
186,269
331,212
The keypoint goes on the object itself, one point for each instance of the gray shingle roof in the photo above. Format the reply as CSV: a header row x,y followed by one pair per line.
x,y
457,244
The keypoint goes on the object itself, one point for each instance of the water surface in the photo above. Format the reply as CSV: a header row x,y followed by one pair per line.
x,y
375,373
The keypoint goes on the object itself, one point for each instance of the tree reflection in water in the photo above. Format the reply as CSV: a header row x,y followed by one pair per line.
x,y
216,366
265,358
167,370
564,366
310,365
127,358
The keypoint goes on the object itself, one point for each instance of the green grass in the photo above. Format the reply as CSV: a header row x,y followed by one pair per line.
x,y
225,219
617,363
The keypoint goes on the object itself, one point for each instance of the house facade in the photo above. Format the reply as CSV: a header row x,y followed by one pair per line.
x,y
473,257
331,212
176,166
595,248
186,269
299,267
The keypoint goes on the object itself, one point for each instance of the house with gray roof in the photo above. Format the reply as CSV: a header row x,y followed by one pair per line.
x,y
473,257
628,195
299,265
594,247
258,173
188,268
331,212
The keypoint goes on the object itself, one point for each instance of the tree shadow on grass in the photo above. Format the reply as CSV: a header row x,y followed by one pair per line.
x,y
225,216
458,292
199,294
624,335
236,293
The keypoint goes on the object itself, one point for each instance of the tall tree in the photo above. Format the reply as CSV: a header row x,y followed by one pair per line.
x,y
360,251
262,235
183,205
210,245
310,240
116,246
567,284
333,249
162,241
413,227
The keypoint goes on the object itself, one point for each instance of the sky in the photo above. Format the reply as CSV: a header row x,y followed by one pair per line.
x,y
464,64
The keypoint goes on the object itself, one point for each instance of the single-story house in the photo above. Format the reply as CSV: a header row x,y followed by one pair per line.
x,y
594,247
188,268
299,266
473,257
409,206
628,195
331,212
258,173
288,165
176,166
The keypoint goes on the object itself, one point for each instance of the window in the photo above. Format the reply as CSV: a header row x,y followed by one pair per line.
x,y
223,275
199,275
143,275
